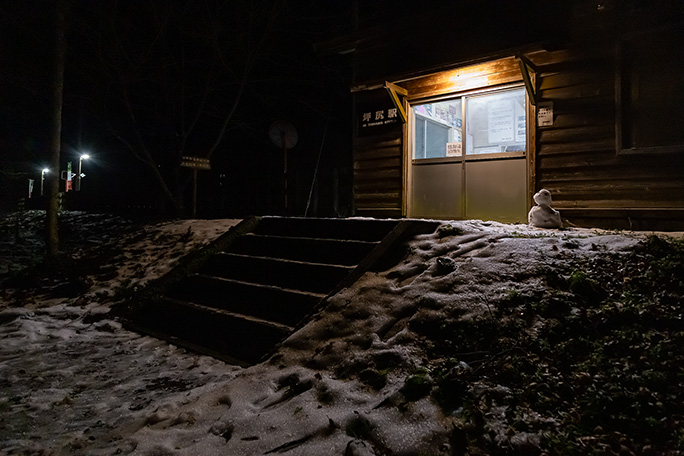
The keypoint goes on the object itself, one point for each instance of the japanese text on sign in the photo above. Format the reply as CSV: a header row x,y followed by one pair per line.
x,y
379,117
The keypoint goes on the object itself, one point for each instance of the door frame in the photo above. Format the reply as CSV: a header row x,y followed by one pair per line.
x,y
407,138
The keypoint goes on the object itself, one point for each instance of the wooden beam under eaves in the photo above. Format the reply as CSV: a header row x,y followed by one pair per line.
x,y
394,91
525,68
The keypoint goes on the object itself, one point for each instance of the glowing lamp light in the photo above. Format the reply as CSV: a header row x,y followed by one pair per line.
x,y
80,175
42,179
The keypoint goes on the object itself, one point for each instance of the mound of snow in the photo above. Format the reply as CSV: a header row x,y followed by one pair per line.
x,y
349,382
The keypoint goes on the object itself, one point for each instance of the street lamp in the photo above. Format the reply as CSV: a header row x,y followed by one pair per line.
x,y
42,179
80,175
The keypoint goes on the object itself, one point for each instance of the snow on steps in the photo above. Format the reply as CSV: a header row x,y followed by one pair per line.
x,y
239,297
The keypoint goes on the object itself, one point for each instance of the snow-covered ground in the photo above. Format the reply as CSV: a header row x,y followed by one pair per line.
x,y
73,381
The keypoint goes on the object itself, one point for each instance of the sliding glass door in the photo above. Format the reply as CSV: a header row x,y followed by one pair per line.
x,y
468,157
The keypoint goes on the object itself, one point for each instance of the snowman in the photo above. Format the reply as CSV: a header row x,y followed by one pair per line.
x,y
542,215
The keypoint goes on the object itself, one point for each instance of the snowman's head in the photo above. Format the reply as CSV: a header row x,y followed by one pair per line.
x,y
543,197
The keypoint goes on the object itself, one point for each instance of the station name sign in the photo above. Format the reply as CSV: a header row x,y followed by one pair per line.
x,y
377,119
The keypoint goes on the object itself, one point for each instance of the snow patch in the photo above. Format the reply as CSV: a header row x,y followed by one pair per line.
x,y
73,381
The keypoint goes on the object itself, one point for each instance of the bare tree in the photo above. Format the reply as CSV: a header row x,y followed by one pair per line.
x,y
60,48
174,76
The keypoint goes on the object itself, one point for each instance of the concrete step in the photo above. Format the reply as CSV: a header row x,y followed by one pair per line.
x,y
315,250
227,335
239,297
348,229
280,305
291,274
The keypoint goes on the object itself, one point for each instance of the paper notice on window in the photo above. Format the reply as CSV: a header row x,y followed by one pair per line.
x,y
501,118
521,122
520,129
454,149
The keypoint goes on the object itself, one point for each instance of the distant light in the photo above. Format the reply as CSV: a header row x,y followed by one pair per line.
x,y
45,170
85,157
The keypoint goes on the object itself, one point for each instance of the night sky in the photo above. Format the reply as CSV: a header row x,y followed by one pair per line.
x,y
177,68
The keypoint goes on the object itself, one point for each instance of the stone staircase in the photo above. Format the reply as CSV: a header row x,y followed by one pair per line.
x,y
238,298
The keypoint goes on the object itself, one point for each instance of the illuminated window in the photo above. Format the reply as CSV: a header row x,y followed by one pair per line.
x,y
494,124
437,128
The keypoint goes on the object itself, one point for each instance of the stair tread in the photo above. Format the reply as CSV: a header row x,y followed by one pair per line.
x,y
227,313
262,285
306,249
287,260
243,295
313,239
186,343
326,228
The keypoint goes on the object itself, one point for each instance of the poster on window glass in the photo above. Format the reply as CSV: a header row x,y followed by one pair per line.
x,y
501,121
453,149
520,130
441,113
454,121
521,124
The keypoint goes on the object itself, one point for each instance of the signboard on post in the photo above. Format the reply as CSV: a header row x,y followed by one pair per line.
x,y
195,163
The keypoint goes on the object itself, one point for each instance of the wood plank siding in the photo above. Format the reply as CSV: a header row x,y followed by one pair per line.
x,y
379,164
378,159
610,159
577,158
378,176
490,74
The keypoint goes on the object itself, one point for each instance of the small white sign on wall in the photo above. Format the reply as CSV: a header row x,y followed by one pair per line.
x,y
545,113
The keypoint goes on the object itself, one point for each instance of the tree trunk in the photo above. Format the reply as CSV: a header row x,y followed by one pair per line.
x,y
56,129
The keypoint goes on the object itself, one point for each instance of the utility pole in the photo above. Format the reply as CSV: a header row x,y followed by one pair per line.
x,y
59,50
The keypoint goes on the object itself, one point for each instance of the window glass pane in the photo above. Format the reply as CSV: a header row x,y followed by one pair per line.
x,y
437,129
495,123
653,90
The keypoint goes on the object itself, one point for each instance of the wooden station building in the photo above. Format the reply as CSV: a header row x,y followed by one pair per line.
x,y
464,109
